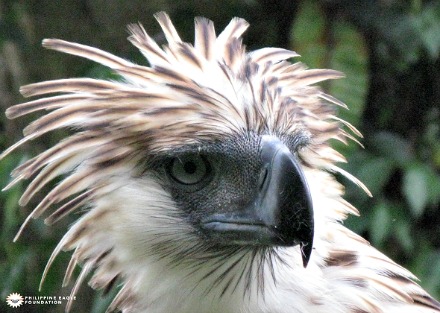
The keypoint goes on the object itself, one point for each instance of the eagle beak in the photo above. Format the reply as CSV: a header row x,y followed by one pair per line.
x,y
280,212
284,200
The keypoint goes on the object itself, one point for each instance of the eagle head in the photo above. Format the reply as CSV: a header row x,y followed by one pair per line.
x,y
205,180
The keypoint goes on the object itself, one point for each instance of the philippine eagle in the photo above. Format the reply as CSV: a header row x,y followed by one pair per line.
x,y
206,182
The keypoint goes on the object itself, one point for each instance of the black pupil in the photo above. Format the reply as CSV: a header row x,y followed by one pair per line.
x,y
190,167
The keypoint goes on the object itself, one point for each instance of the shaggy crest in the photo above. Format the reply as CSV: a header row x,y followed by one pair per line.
x,y
189,94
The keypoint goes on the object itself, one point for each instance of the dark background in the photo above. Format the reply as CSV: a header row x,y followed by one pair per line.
x,y
388,49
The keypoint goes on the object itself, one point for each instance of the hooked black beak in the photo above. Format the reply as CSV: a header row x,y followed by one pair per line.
x,y
280,214
286,204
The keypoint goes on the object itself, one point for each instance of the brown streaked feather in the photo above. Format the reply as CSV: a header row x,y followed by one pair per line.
x,y
71,185
68,147
124,299
83,274
235,28
54,169
388,287
87,52
339,170
332,99
168,28
310,77
204,37
273,55
77,202
187,53
44,104
234,52
69,271
141,40
426,301
83,85
341,258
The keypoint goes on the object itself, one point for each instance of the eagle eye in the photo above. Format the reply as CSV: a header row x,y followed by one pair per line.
x,y
189,169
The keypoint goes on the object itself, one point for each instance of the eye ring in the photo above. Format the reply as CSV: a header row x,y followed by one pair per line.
x,y
190,169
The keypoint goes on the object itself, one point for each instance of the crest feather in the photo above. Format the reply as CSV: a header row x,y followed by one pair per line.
x,y
190,93
168,28
205,37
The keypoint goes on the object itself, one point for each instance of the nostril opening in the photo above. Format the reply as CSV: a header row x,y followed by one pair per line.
x,y
262,178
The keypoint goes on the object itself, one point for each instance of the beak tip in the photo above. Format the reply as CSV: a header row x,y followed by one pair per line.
x,y
306,251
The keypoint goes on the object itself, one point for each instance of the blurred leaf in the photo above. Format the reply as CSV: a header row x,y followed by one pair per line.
x,y
11,213
415,187
13,272
433,187
307,34
428,24
101,72
350,57
347,54
10,197
426,265
375,173
357,159
403,234
357,224
102,302
393,147
432,264
380,223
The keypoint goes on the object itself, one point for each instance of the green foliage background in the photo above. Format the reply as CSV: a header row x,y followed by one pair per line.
x,y
396,45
